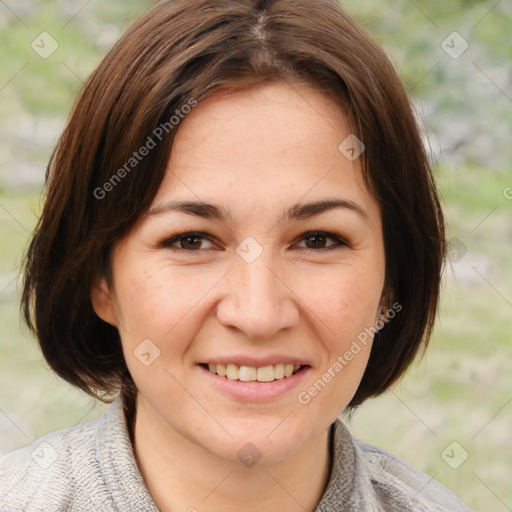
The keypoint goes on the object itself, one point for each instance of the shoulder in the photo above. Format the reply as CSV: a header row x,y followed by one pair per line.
x,y
56,470
400,486
365,478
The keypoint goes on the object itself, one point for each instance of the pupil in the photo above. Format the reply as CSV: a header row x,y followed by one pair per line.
x,y
189,244
317,241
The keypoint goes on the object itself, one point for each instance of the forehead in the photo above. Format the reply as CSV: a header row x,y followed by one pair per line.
x,y
253,148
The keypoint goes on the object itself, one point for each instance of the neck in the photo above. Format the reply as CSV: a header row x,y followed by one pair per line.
x,y
181,475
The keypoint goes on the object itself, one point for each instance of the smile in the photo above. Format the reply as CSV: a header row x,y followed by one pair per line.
x,y
262,383
267,373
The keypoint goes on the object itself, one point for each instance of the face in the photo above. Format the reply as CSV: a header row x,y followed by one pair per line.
x,y
262,255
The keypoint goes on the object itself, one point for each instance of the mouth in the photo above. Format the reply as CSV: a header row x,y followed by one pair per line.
x,y
263,374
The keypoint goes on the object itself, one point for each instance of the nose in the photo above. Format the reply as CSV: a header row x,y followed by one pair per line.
x,y
258,301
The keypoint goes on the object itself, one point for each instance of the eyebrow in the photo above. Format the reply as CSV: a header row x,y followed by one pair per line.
x,y
298,211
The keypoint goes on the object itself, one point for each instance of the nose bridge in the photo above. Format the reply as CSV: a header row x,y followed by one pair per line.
x,y
258,286
257,302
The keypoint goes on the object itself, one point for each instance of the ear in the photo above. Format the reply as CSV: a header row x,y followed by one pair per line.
x,y
101,299
384,305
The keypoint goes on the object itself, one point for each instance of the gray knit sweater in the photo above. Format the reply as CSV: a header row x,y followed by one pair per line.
x,y
91,468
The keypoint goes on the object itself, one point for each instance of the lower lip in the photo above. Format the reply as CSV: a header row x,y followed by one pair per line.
x,y
255,391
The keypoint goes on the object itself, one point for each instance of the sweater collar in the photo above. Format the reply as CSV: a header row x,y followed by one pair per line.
x,y
118,464
348,488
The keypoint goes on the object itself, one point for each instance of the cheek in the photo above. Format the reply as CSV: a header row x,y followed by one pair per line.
x,y
346,300
143,300
161,303
345,307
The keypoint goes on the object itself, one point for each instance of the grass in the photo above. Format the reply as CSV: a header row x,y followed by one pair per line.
x,y
460,391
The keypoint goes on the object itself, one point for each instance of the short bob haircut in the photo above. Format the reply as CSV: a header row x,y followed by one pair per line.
x,y
187,50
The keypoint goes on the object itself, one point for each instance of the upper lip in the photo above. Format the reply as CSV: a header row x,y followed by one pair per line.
x,y
244,360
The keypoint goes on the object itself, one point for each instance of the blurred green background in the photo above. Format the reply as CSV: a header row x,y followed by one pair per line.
x,y
451,416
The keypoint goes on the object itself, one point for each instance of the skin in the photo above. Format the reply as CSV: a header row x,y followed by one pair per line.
x,y
255,153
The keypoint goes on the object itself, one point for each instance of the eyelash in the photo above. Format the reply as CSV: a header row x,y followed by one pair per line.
x,y
339,242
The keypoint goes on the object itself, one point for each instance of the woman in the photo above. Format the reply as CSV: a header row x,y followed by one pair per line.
x,y
241,235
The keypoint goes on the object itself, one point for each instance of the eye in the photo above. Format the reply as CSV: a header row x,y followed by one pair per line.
x,y
318,240
313,240
186,241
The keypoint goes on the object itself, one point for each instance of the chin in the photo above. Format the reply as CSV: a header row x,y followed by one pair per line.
x,y
257,441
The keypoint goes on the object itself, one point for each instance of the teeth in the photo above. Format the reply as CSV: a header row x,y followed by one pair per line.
x,y
221,369
232,371
251,373
265,374
247,373
279,371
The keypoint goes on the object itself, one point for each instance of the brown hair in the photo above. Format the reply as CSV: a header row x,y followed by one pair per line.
x,y
186,49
